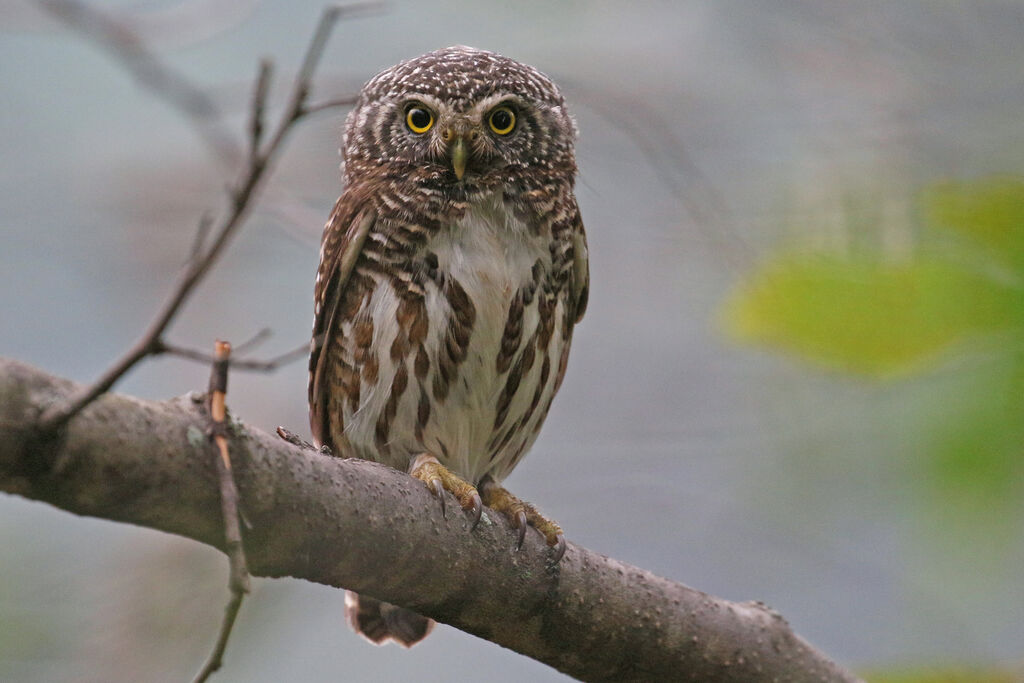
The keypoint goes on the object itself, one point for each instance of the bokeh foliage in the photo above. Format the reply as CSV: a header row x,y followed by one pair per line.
x,y
953,304
944,676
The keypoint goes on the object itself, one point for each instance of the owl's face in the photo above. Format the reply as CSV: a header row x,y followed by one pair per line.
x,y
459,117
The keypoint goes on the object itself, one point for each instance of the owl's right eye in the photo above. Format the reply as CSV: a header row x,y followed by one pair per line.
x,y
419,120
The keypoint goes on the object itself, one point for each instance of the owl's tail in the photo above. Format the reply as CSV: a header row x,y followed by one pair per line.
x,y
379,621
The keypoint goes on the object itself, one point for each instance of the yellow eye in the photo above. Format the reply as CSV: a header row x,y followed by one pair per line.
x,y
502,120
419,120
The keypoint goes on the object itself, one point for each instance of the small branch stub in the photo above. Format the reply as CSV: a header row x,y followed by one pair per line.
x,y
239,574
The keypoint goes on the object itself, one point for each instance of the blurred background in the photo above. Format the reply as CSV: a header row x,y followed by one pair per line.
x,y
800,378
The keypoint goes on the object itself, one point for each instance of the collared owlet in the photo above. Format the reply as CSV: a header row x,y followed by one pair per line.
x,y
452,272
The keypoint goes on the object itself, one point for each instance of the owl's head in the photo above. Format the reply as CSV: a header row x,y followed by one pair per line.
x,y
457,117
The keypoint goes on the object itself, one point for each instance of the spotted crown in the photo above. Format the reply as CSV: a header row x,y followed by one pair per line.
x,y
454,79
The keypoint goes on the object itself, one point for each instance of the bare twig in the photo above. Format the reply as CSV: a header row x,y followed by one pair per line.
x,y
247,364
118,39
259,104
330,104
240,205
239,573
707,208
316,46
230,614
202,231
252,342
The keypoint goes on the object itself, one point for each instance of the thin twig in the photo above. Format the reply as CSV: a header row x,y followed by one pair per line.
x,y
240,205
259,104
246,364
215,661
315,50
252,342
202,230
238,582
330,104
119,40
658,142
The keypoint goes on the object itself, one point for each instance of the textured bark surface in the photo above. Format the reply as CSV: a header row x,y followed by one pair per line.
x,y
339,522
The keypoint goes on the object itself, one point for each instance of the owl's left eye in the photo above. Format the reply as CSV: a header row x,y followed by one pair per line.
x,y
419,120
502,120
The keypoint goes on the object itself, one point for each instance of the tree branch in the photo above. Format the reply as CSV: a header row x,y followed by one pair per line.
x,y
338,522
240,198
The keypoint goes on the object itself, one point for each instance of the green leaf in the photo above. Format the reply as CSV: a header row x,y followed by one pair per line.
x,y
989,211
974,455
942,675
864,316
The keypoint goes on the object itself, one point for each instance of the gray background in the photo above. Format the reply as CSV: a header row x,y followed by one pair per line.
x,y
710,131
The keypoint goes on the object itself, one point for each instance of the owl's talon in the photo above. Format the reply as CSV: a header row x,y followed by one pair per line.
x,y
476,508
439,479
559,545
521,529
438,490
522,515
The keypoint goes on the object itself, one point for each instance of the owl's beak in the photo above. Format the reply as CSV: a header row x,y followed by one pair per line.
x,y
459,135
458,152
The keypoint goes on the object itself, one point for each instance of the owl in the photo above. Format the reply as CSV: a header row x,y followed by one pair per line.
x,y
453,270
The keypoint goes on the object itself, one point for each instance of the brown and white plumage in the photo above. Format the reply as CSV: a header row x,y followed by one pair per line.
x,y
452,270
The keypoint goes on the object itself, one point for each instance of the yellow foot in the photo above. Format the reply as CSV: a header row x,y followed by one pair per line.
x,y
521,514
439,479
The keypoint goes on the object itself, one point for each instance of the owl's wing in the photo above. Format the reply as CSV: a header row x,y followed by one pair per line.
x,y
580,266
343,240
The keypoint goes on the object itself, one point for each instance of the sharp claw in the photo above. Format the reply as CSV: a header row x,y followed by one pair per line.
x,y
438,490
520,529
559,544
477,510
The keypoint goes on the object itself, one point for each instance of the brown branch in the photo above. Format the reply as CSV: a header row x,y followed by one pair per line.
x,y
339,522
239,206
238,581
